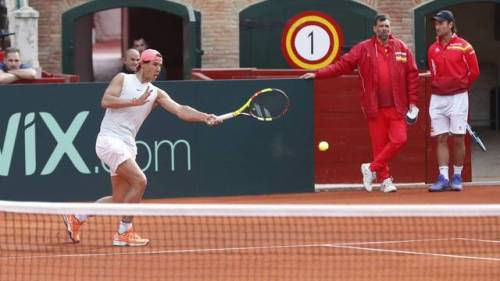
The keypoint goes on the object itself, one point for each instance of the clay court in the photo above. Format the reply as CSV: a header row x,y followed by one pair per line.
x,y
267,248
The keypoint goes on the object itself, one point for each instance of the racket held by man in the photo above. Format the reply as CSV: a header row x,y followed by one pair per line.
x,y
267,104
476,138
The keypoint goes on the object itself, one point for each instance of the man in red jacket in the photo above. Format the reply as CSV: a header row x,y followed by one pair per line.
x,y
389,80
453,65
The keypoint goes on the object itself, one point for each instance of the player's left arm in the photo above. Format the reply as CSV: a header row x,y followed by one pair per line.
x,y
184,112
472,64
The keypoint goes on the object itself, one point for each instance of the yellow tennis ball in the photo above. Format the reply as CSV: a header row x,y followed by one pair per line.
x,y
323,146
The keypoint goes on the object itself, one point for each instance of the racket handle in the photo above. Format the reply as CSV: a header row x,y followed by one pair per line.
x,y
225,116
469,129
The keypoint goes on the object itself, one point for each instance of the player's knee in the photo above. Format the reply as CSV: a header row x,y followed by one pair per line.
x,y
143,181
140,181
400,142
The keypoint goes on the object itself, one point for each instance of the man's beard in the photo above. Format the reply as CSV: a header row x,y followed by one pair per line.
x,y
383,36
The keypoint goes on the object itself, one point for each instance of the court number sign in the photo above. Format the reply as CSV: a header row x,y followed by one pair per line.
x,y
311,40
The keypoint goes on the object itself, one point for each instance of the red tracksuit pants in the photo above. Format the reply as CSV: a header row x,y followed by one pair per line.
x,y
388,135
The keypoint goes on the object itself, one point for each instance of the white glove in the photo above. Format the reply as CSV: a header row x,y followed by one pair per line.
x,y
412,115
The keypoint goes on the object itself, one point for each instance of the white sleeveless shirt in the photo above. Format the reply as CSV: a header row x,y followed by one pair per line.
x,y
124,123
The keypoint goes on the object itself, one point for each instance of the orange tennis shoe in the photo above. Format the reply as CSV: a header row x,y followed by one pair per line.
x,y
129,238
73,226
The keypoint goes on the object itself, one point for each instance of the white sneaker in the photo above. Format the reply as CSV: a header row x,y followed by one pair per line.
x,y
388,186
368,176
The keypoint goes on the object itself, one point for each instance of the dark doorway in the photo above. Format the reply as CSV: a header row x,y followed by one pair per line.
x,y
477,22
171,28
83,48
163,32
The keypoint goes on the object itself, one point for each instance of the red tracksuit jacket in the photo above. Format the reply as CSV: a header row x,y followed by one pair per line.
x,y
403,71
453,67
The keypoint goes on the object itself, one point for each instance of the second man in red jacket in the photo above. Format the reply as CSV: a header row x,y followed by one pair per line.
x,y
389,80
454,67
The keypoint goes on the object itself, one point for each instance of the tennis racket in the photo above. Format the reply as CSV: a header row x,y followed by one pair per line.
x,y
265,105
476,138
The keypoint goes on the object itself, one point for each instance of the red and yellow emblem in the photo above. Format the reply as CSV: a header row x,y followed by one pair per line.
x,y
311,40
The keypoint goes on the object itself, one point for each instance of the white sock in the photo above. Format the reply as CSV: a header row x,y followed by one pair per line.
x,y
124,227
81,218
457,170
443,170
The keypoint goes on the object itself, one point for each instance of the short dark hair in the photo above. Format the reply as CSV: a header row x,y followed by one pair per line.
x,y
379,18
11,50
139,39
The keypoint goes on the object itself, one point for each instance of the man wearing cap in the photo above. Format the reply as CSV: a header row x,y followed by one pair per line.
x,y
389,79
140,45
128,100
454,68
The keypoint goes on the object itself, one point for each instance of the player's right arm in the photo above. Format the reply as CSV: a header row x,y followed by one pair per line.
x,y
185,112
111,97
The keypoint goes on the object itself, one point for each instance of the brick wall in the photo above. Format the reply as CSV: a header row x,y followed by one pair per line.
x,y
220,32
220,35
49,31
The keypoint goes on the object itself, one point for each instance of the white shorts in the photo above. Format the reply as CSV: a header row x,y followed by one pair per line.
x,y
449,114
113,152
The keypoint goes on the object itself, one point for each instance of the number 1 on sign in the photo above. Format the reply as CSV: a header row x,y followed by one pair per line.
x,y
312,43
311,35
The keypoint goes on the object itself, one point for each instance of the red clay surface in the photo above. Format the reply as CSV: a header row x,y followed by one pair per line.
x,y
208,248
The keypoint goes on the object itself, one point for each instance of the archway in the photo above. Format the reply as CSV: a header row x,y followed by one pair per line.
x,y
171,28
262,24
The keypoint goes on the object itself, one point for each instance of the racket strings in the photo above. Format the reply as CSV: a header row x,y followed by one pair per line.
x,y
478,141
476,138
269,105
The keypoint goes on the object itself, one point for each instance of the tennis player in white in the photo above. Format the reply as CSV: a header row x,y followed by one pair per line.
x,y
128,100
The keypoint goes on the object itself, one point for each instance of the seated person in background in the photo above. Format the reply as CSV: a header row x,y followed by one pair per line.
x,y
12,69
130,61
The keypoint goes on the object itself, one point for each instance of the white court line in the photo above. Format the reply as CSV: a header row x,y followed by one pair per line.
x,y
479,240
414,253
347,245
350,246
179,251
397,241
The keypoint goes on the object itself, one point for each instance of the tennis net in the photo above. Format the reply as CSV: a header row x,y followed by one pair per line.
x,y
253,242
